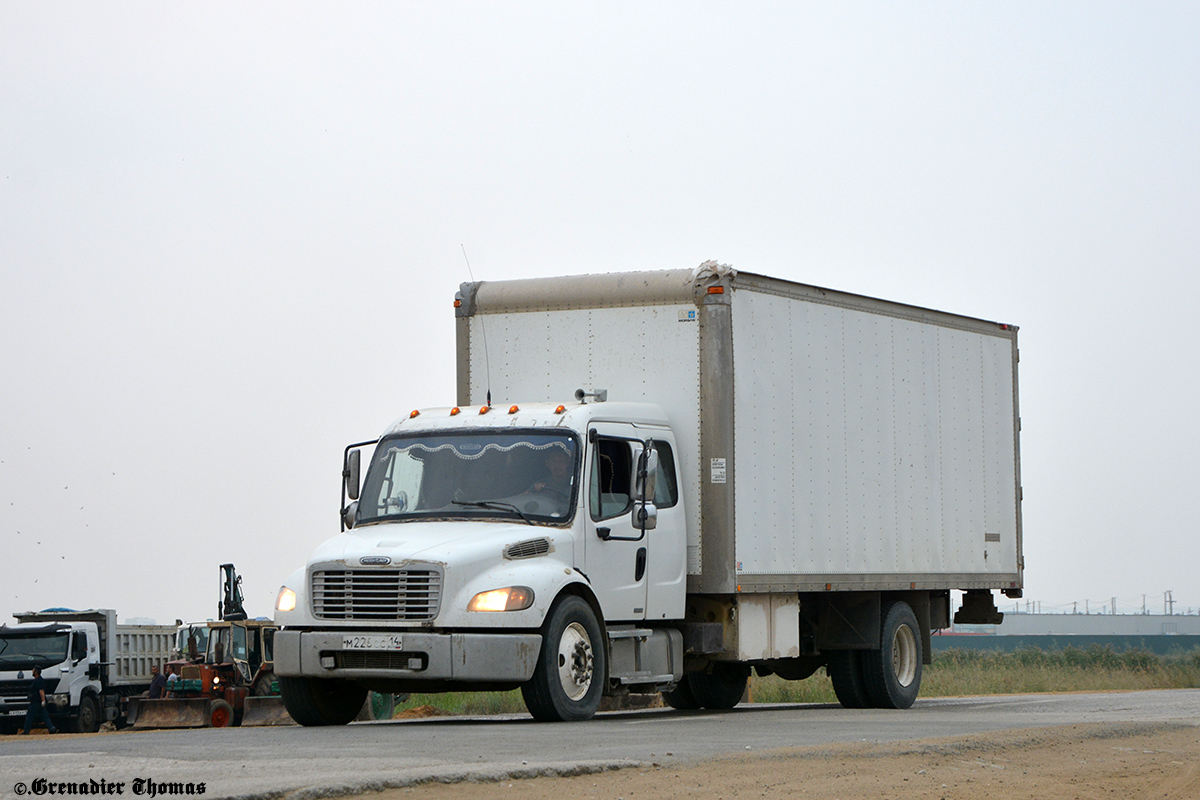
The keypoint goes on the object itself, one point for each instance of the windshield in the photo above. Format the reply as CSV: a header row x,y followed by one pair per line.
x,y
181,640
33,649
486,474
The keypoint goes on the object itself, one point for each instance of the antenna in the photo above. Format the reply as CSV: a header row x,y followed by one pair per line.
x,y
487,362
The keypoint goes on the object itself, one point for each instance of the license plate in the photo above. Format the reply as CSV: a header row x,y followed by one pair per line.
x,y
379,642
15,713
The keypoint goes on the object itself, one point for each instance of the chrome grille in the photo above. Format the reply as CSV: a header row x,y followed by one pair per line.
x,y
381,594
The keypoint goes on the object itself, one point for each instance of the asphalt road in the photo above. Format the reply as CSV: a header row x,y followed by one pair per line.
x,y
313,762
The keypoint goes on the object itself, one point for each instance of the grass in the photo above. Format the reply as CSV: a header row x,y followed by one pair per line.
x,y
953,673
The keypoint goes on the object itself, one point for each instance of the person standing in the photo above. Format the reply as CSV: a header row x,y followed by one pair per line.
x,y
37,703
158,683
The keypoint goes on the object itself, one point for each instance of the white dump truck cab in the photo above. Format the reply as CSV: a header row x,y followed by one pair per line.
x,y
69,656
492,548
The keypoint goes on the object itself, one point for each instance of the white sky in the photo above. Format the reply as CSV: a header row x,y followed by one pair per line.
x,y
230,237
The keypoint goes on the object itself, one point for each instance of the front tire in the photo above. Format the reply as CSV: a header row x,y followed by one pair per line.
x,y
316,701
893,673
568,681
87,720
220,715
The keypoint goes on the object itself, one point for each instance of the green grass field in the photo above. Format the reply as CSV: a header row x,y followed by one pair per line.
x,y
954,673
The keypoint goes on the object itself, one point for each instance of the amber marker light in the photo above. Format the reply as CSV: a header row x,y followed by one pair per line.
x,y
560,410
716,290
415,413
513,409
458,303
454,412
484,409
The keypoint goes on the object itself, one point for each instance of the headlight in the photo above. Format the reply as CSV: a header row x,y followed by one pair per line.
x,y
512,598
286,601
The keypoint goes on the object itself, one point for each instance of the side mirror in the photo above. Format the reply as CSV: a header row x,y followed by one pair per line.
x,y
646,476
645,516
94,671
350,514
350,473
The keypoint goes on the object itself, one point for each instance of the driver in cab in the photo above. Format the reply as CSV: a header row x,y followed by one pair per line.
x,y
558,475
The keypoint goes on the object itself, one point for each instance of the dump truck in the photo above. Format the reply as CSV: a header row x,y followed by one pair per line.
x,y
89,662
661,482
230,682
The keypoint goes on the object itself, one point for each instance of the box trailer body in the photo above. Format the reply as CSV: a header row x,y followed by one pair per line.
x,y
834,465
88,660
869,444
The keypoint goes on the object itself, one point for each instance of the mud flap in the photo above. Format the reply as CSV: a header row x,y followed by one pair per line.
x,y
265,711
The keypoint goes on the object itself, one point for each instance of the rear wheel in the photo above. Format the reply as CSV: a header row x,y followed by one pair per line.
x,y
568,680
88,718
681,696
893,673
845,672
314,701
220,715
722,687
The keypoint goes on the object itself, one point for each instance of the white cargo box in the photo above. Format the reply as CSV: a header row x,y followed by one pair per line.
x,y
826,441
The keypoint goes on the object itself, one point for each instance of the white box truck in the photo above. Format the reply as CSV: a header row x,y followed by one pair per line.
x,y
754,474
88,661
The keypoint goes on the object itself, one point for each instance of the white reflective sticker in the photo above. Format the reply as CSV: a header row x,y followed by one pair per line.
x,y
717,471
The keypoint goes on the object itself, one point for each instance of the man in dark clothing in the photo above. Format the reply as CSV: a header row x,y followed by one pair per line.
x,y
158,683
37,703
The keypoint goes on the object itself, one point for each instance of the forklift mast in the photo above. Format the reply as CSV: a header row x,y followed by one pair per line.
x,y
231,607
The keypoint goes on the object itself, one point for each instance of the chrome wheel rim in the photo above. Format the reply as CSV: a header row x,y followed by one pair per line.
x,y
575,661
904,656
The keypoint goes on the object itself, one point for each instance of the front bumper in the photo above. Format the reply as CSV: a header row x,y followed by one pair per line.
x,y
467,657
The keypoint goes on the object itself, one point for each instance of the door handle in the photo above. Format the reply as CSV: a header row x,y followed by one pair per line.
x,y
639,569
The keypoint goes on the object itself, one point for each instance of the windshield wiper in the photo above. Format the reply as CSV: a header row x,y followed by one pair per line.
x,y
494,505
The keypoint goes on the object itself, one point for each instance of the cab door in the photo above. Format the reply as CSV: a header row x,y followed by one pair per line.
x,y
615,552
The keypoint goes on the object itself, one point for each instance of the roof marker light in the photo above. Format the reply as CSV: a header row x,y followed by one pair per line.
x,y
454,412
415,413
484,409
560,410
513,410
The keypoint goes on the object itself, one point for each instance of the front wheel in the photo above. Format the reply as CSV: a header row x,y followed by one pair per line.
x,y
87,720
568,680
317,701
220,714
892,673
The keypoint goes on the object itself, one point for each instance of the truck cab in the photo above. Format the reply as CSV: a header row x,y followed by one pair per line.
x,y
471,528
69,655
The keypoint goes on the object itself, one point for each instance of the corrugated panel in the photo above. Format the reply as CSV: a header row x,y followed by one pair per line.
x,y
868,443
